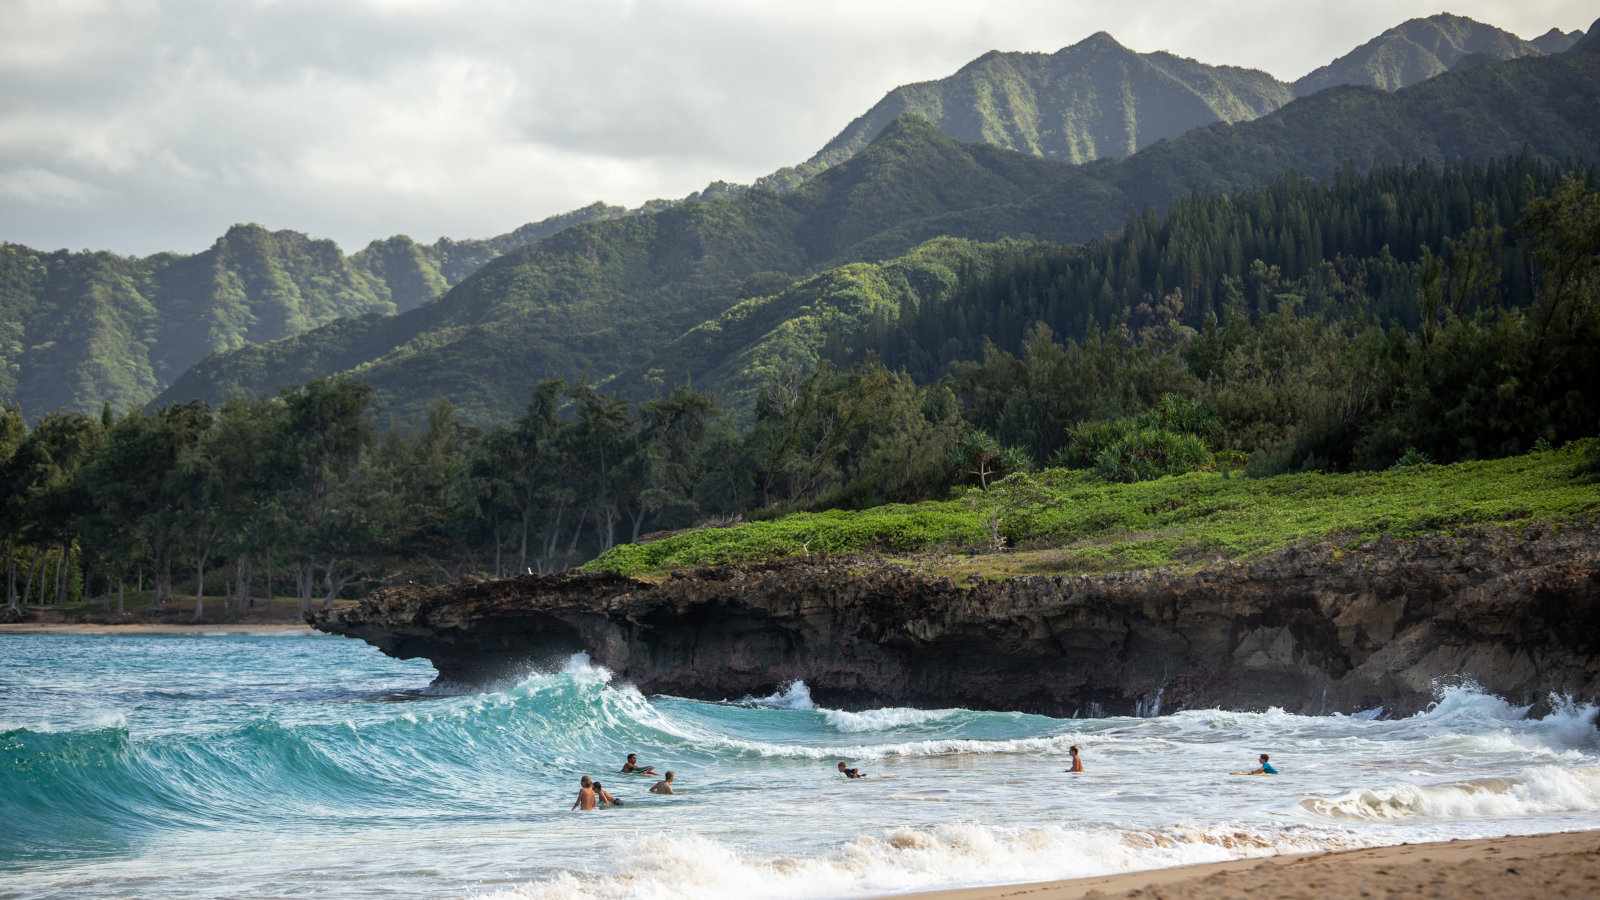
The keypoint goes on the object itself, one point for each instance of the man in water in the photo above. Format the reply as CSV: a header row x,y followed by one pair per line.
x,y
850,773
1077,761
632,767
1264,769
586,798
664,786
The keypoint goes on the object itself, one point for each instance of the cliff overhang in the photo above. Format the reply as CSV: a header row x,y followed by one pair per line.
x,y
1315,629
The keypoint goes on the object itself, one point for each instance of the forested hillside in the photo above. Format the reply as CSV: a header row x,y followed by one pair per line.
x,y
603,295
610,298
1099,100
79,330
1095,99
1451,315
1419,49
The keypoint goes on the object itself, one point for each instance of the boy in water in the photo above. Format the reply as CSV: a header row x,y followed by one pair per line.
x,y
1264,769
850,773
604,797
1077,761
632,767
664,786
586,799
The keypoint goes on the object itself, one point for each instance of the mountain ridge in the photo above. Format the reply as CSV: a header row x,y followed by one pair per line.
x,y
495,334
86,328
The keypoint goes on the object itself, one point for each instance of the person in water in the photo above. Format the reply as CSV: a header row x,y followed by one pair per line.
x,y
1265,768
664,786
632,767
850,773
586,796
1077,761
603,796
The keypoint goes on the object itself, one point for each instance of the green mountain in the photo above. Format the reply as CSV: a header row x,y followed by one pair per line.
x,y
1419,49
702,292
1097,99
78,330
1091,100
600,297
1555,41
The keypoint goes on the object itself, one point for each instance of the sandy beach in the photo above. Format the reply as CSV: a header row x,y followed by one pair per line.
x,y
154,628
1549,865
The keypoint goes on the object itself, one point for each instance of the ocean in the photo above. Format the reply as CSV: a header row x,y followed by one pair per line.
x,y
292,766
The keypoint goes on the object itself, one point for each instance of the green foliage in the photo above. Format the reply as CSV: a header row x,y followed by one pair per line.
x,y
1142,454
1091,524
1091,100
1417,50
599,299
81,330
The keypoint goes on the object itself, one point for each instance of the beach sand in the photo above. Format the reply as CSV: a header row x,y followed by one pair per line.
x,y
153,628
1540,866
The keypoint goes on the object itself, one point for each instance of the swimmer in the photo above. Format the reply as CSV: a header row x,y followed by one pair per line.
x,y
1077,761
664,786
586,797
1264,769
850,773
604,796
632,767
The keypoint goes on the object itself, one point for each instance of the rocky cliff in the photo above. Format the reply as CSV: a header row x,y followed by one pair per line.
x,y
1315,629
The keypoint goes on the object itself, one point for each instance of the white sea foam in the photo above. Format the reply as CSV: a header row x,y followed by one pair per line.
x,y
1540,790
904,859
794,695
886,719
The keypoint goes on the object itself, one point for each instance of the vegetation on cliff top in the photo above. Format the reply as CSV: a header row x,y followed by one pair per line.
x,y
1064,521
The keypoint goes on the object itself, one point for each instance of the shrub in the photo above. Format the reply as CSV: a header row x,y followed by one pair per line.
x,y
1150,453
1412,457
1087,440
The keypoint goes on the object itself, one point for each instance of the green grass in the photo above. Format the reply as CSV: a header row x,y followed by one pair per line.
x,y
1083,525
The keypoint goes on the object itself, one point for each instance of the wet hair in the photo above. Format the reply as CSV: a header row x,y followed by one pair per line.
x,y
841,764
1265,757
668,775
1073,748
598,787
633,756
586,782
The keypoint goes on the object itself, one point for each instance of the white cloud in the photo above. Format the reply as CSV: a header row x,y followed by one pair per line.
x,y
138,126
43,188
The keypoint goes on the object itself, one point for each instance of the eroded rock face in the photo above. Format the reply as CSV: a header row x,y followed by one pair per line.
x,y
1311,630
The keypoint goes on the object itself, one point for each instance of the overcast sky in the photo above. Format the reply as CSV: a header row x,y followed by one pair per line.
x,y
144,126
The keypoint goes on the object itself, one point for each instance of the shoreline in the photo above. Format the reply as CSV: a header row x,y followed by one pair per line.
x,y
86,628
1557,864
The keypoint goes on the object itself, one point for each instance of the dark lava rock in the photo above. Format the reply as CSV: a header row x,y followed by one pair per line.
x,y
1312,629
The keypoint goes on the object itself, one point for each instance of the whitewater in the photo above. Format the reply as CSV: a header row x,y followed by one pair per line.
x,y
240,765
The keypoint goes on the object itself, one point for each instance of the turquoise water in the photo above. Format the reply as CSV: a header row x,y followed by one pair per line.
x,y
237,765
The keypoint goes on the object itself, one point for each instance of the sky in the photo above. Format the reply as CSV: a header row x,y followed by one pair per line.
x,y
149,125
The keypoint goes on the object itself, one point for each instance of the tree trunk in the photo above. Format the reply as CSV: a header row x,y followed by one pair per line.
x,y
577,532
497,548
33,573
522,547
333,584
11,577
61,574
120,608
200,587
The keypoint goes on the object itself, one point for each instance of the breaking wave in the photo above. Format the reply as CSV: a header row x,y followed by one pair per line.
x,y
906,859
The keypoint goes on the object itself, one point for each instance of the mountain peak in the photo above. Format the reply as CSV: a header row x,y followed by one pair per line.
x,y
1591,41
911,126
1100,40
